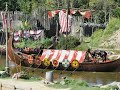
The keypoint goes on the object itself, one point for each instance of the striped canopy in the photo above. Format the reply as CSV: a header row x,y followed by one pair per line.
x,y
61,55
86,13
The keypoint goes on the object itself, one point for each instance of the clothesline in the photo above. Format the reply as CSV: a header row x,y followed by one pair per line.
x,y
35,34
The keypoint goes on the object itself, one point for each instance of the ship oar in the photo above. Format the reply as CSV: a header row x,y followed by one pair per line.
x,y
36,68
46,62
44,69
65,63
64,70
75,64
73,71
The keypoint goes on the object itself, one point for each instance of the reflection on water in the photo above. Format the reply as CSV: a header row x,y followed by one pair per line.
x,y
2,62
90,77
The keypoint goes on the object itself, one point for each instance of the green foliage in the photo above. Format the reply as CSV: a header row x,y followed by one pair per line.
x,y
71,42
117,1
12,5
74,84
26,25
2,68
79,3
100,36
47,42
27,5
21,44
51,4
94,41
113,26
116,12
102,9
28,43
96,38
82,46
34,43
101,4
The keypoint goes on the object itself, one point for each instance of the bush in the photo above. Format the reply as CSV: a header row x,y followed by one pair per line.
x,y
83,46
116,12
47,42
2,68
74,84
70,42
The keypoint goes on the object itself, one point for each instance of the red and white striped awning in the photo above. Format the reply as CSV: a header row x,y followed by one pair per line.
x,y
86,14
61,55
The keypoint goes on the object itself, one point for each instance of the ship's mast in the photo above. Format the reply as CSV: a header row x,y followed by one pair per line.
x,y
67,24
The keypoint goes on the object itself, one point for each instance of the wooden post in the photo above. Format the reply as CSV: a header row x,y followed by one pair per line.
x,y
0,86
67,23
57,29
7,62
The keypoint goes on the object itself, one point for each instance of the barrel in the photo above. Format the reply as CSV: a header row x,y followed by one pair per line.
x,y
49,76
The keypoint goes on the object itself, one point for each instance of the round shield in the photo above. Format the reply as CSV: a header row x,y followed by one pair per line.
x,y
30,59
75,64
46,62
55,63
65,63
38,61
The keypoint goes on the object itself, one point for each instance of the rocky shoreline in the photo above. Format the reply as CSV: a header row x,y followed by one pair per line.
x,y
64,83
7,84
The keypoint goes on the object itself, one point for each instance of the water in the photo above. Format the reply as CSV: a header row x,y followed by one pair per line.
x,y
90,77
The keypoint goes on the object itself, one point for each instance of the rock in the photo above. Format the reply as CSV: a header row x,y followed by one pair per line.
x,y
4,74
47,82
113,57
21,75
111,84
56,82
118,84
97,85
63,77
62,82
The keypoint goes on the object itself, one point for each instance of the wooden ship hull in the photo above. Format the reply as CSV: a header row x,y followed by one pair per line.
x,y
46,61
2,51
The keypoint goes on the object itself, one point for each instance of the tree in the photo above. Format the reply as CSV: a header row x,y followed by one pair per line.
x,y
12,5
81,3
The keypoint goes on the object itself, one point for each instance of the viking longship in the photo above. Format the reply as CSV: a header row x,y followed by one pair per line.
x,y
72,60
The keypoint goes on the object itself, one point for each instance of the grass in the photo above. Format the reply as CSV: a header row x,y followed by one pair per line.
x,y
83,46
28,43
2,68
100,36
74,84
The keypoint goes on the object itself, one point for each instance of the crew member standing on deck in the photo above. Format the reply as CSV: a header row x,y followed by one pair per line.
x,y
41,49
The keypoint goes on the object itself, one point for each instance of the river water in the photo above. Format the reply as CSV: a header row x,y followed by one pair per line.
x,y
90,77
